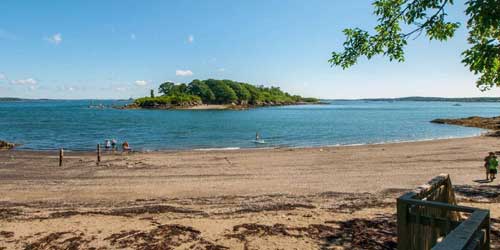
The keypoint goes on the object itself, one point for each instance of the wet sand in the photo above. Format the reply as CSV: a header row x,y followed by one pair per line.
x,y
287,198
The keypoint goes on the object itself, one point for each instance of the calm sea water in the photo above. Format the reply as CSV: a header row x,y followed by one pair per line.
x,y
72,125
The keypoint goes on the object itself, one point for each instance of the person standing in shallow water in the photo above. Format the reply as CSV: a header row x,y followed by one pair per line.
x,y
107,144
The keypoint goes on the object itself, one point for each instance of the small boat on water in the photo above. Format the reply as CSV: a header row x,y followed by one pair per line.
x,y
98,106
457,104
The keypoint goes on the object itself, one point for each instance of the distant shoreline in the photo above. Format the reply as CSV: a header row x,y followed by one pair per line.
x,y
435,99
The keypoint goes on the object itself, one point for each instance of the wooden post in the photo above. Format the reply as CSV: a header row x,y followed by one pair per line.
x,y
61,156
403,227
98,153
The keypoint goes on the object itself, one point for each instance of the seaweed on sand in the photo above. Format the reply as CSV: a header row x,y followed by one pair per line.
x,y
59,241
163,237
129,211
378,233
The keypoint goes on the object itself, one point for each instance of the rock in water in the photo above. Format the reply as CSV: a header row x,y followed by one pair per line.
x,y
6,145
492,123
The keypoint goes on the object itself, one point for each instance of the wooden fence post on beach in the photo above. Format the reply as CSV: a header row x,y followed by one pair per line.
x,y
429,218
61,156
98,153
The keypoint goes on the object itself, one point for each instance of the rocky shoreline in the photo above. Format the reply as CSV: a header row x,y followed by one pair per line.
x,y
491,123
201,106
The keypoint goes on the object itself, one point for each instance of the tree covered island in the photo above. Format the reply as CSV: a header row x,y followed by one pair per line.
x,y
217,94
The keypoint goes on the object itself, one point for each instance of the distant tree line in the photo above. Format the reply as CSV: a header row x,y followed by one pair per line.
x,y
213,91
10,99
438,99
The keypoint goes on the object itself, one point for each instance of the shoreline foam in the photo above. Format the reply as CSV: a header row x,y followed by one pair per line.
x,y
484,132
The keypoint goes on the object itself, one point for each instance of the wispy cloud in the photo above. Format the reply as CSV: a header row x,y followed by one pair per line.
x,y
180,72
221,69
2,76
141,82
132,36
27,81
190,39
55,39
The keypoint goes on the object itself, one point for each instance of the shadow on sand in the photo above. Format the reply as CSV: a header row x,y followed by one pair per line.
x,y
482,181
488,193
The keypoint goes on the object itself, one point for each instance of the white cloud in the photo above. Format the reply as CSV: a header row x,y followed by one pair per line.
x,y
132,36
190,39
27,81
2,76
183,72
221,69
141,82
55,39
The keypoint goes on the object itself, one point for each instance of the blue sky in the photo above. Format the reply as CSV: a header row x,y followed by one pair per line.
x,y
121,49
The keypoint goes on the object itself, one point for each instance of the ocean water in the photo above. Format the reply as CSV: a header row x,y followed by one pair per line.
x,y
73,125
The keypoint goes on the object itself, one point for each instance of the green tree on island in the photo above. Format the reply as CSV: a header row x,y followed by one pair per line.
x,y
240,90
223,93
213,91
166,87
255,93
400,20
201,89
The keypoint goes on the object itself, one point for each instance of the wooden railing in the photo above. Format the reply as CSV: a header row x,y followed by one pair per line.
x,y
429,218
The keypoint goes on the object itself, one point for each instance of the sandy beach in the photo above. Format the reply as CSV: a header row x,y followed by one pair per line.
x,y
286,198
208,107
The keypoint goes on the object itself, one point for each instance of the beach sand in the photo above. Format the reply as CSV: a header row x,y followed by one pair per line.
x,y
209,107
287,198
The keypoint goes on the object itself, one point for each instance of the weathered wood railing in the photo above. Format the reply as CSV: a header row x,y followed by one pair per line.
x,y
429,218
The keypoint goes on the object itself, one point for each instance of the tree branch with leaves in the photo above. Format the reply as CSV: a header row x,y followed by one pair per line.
x,y
418,16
